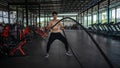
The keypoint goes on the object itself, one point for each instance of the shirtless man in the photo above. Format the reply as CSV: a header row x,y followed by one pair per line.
x,y
56,34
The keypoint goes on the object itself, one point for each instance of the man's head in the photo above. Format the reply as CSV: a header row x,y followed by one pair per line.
x,y
54,14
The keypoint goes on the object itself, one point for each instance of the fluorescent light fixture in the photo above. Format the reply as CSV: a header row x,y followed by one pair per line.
x,y
68,14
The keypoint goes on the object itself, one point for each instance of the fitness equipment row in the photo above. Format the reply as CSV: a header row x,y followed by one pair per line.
x,y
111,29
13,38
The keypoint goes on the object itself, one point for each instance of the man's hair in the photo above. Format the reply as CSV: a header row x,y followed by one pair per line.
x,y
54,12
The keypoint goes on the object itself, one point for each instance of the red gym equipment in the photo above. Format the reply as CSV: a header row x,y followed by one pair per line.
x,y
22,42
41,33
18,44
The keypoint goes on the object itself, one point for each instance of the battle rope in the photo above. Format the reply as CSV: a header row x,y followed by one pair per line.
x,y
98,47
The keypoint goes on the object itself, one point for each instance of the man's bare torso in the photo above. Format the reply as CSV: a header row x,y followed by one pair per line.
x,y
57,27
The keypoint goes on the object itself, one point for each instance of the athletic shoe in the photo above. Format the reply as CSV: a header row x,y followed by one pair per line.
x,y
68,53
47,55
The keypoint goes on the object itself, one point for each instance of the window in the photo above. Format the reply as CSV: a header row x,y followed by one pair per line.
x,y
112,19
5,20
5,14
0,13
42,21
1,20
82,19
104,17
89,20
100,17
72,17
85,21
94,18
89,17
118,14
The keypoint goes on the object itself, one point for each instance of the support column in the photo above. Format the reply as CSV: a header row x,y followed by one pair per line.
x,y
39,16
87,17
108,11
8,13
83,19
17,23
30,18
17,15
23,17
2,18
92,15
36,20
98,13
47,19
115,14
26,7
33,20
44,19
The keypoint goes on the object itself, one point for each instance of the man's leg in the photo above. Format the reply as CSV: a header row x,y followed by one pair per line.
x,y
64,40
50,40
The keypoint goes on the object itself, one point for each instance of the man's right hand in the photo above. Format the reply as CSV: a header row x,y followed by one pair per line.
x,y
47,28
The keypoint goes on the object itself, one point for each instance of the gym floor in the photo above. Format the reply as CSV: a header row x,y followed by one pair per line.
x,y
83,47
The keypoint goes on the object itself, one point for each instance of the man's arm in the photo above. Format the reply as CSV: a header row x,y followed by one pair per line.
x,y
61,26
48,26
